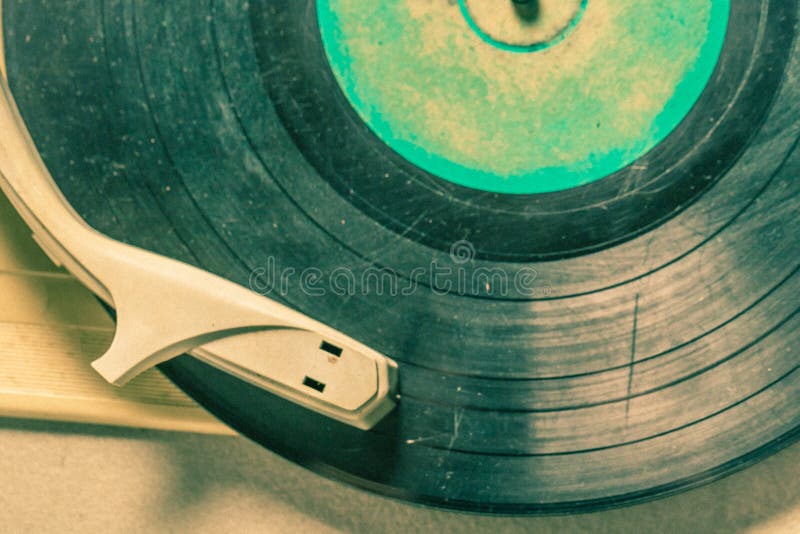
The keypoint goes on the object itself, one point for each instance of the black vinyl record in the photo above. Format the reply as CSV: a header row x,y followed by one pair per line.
x,y
625,339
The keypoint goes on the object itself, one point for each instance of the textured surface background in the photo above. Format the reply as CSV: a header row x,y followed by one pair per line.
x,y
64,478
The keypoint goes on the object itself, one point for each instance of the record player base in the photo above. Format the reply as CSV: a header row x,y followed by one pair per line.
x,y
51,328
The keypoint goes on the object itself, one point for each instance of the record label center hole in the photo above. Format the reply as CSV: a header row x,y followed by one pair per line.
x,y
523,25
527,10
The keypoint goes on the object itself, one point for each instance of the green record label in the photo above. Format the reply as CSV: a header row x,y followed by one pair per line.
x,y
453,98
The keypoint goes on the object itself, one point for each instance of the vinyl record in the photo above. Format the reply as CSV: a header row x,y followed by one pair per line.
x,y
573,224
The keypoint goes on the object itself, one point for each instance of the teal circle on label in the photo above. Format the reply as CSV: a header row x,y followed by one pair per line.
x,y
523,49
496,120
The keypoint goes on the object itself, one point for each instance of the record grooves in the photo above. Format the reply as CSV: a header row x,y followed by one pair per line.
x,y
652,347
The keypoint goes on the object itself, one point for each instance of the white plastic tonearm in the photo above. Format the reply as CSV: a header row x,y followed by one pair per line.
x,y
166,308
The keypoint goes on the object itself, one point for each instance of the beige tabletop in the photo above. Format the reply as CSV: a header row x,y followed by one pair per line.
x,y
61,477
